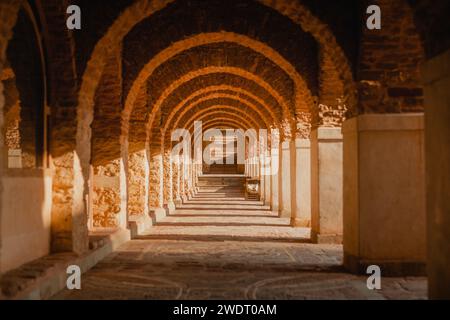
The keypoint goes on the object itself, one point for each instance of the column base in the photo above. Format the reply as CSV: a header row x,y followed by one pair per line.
x,y
138,223
389,268
326,238
157,214
178,201
170,207
300,223
285,214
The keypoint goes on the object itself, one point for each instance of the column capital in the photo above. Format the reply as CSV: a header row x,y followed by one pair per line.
x,y
330,116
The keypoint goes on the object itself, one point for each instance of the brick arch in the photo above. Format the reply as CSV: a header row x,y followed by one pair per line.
x,y
389,81
244,94
303,101
213,105
142,9
229,125
216,91
223,114
137,120
329,46
216,123
109,43
194,108
214,70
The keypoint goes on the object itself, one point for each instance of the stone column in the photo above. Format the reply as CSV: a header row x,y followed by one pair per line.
x,y
262,175
69,231
276,174
109,199
326,185
285,180
384,197
156,189
169,204
267,183
138,175
302,215
184,179
436,75
182,184
176,182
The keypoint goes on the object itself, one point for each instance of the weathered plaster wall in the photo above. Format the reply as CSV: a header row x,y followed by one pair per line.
x,y
25,206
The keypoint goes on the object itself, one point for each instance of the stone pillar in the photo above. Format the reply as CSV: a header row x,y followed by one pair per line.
x,y
138,175
169,204
182,184
436,75
69,231
302,216
184,179
262,176
384,193
326,185
276,175
176,182
156,189
285,180
267,183
109,198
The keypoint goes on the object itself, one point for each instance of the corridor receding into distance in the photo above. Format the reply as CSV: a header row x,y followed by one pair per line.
x,y
209,149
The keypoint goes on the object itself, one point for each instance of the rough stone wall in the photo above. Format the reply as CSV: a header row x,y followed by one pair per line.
x,y
156,180
11,113
300,14
168,179
176,180
106,128
332,105
138,173
389,66
106,195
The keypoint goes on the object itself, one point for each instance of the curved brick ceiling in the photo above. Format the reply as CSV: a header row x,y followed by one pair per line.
x,y
172,50
184,19
278,23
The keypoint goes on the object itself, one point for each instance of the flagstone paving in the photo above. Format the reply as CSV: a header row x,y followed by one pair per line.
x,y
168,269
218,246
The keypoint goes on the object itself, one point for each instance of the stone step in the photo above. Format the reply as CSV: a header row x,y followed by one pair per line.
x,y
219,212
219,184
228,233
219,187
213,197
221,201
224,206
221,190
223,220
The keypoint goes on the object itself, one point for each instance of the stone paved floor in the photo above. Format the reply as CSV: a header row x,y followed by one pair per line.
x,y
218,246
169,269
226,224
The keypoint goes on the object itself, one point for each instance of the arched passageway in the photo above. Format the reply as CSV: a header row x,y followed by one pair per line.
x,y
279,125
